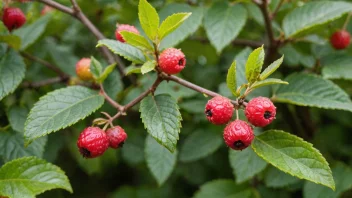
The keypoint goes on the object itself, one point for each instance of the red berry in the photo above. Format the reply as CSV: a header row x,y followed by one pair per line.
x,y
13,18
92,142
340,39
260,111
238,135
83,69
172,61
124,27
219,110
117,136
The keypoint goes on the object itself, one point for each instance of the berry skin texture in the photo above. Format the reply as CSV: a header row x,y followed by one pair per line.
x,y
260,111
238,135
124,27
219,110
117,136
83,69
340,39
172,61
92,142
13,18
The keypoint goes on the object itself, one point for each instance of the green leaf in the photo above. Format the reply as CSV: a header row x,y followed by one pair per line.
x,y
294,156
17,117
106,72
29,176
127,51
189,26
200,144
271,68
313,91
159,160
231,78
254,64
245,164
132,70
268,81
149,19
60,109
30,33
337,66
304,19
148,66
171,23
13,146
277,179
136,40
12,40
12,69
220,25
224,188
95,67
113,84
162,119
241,59
343,177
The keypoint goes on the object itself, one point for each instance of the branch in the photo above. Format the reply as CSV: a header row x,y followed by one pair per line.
x,y
110,100
269,28
272,16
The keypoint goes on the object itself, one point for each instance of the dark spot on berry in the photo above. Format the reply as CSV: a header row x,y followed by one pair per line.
x,y
85,152
238,144
208,113
121,144
267,114
181,61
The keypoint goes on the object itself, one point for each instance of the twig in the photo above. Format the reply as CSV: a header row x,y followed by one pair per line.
x,y
110,100
269,28
273,14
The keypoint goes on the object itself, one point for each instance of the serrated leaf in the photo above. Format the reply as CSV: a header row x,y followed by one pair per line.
x,y
136,40
294,156
200,144
162,119
12,40
304,19
132,70
271,68
224,188
127,51
189,26
148,66
314,91
268,81
106,72
231,78
30,176
17,117
337,66
245,164
254,64
277,179
159,160
30,33
59,109
343,177
12,69
13,146
220,25
149,19
171,23
241,59
95,67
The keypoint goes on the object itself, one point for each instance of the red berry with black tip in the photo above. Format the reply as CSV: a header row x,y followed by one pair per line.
x,y
92,142
13,18
172,61
260,111
340,39
238,135
124,27
219,110
117,136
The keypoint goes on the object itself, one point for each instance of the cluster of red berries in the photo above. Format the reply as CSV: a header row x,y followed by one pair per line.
x,y
239,134
340,39
13,18
93,141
